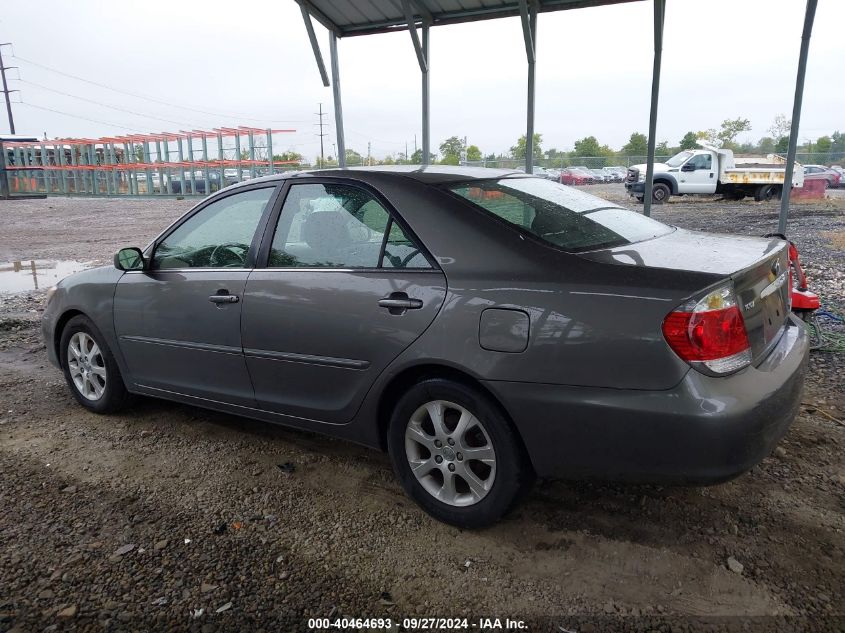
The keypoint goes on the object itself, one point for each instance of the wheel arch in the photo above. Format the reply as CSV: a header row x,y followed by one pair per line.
x,y
667,180
61,323
409,376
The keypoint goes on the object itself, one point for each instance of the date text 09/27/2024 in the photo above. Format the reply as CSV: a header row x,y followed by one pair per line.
x,y
410,624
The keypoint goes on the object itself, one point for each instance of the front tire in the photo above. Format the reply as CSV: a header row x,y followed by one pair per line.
x,y
89,367
660,193
456,454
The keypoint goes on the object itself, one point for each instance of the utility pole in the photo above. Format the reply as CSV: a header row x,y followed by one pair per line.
x,y
321,135
6,91
407,158
369,161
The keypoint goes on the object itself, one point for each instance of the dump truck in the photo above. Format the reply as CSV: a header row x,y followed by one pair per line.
x,y
712,170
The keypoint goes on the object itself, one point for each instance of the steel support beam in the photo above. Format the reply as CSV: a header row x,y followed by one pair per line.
x,y
528,13
421,49
659,18
426,100
338,105
318,56
809,18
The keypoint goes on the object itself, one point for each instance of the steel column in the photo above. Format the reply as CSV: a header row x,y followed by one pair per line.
x,y
190,159
423,59
315,47
809,17
338,105
659,17
426,101
269,150
529,34
205,165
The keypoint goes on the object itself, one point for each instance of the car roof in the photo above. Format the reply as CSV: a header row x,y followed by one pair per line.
x,y
429,174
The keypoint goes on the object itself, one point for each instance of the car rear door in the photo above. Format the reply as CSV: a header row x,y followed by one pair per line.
x,y
346,288
178,322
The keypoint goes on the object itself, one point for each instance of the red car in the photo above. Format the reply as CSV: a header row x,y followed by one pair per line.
x,y
574,176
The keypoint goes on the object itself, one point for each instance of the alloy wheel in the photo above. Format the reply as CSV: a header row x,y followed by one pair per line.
x,y
86,365
450,453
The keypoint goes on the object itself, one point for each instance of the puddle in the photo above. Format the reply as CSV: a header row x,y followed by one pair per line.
x,y
35,274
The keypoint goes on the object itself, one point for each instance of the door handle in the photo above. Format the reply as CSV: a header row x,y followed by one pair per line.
x,y
398,302
219,299
402,304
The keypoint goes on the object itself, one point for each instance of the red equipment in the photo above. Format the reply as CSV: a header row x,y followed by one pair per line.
x,y
804,303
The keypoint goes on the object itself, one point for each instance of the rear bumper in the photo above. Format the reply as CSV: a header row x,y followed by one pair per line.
x,y
704,430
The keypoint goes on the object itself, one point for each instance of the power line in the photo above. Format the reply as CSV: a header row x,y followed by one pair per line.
x,y
146,98
76,116
105,105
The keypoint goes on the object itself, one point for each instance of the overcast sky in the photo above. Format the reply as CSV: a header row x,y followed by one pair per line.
x,y
249,63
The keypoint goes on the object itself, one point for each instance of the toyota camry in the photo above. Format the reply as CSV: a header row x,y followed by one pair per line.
x,y
485,327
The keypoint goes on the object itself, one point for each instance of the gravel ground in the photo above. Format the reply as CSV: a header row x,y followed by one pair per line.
x,y
172,517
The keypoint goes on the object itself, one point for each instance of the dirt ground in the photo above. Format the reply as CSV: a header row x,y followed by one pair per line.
x,y
172,517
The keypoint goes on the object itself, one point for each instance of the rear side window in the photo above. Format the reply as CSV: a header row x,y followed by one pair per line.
x,y
339,226
565,217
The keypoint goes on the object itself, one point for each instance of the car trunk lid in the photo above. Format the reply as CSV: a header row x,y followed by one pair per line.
x,y
758,267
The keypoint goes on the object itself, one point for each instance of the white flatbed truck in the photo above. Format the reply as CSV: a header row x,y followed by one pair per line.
x,y
711,170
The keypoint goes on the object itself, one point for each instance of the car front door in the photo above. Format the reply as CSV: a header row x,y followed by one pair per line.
x,y
178,322
698,175
345,290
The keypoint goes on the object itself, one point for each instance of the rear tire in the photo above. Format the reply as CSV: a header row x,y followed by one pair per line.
x,y
767,192
660,193
468,471
90,369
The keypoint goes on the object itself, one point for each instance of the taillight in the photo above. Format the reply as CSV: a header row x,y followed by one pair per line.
x,y
709,333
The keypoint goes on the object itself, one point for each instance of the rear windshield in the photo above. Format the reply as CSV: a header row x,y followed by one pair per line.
x,y
566,217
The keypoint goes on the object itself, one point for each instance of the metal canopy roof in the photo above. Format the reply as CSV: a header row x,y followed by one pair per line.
x,y
356,17
365,17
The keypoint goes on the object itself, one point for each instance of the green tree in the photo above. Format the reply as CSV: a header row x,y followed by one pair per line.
x,y
766,145
518,150
662,149
290,156
730,129
690,141
824,144
838,142
637,145
353,157
417,157
450,150
589,146
780,127
473,153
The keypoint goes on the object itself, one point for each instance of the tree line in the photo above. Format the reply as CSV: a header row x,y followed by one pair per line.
x,y
454,150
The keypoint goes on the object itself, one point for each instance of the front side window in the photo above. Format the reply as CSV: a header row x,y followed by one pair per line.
x,y
679,159
701,161
218,236
339,226
568,218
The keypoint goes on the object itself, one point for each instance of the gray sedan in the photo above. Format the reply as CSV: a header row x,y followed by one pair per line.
x,y
483,326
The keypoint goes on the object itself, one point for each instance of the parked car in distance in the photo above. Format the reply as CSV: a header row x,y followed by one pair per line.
x,y
197,186
600,175
831,176
540,171
616,174
483,326
841,171
553,174
576,176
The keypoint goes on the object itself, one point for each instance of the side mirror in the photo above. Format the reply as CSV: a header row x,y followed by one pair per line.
x,y
688,167
129,259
